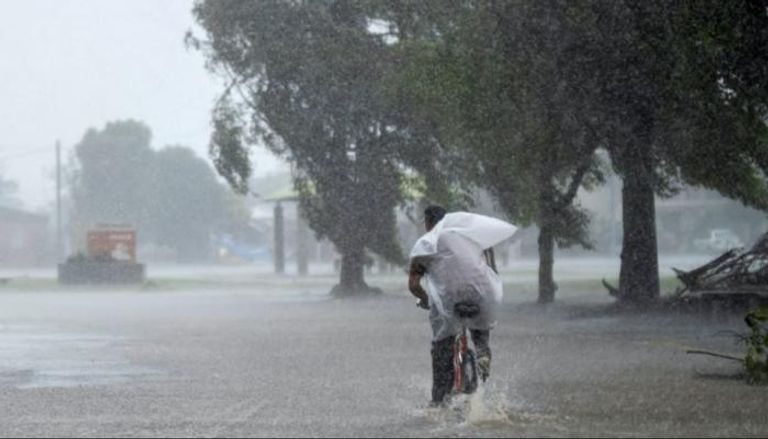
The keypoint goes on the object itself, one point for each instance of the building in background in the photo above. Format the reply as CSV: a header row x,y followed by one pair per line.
x,y
681,220
24,238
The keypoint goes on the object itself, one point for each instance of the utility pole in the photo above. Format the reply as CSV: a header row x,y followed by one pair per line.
x,y
59,241
279,250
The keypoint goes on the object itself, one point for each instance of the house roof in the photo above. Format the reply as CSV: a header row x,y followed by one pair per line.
x,y
283,194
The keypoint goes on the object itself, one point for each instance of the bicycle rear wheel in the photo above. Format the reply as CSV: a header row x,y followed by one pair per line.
x,y
464,365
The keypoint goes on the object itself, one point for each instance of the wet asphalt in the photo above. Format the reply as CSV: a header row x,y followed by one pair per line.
x,y
234,361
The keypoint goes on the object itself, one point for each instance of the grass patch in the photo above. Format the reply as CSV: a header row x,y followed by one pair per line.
x,y
271,282
393,283
29,284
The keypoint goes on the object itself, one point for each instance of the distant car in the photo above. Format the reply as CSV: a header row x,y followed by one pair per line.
x,y
718,240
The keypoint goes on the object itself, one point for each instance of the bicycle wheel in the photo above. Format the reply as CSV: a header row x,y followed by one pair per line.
x,y
469,372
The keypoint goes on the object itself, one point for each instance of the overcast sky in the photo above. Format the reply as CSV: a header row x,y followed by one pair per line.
x,y
68,65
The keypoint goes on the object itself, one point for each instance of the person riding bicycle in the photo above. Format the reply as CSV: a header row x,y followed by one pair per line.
x,y
463,288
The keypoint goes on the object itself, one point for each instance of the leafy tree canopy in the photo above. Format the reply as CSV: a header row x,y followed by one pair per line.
x,y
306,79
171,196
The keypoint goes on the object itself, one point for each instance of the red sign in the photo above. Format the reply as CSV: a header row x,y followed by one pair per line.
x,y
114,244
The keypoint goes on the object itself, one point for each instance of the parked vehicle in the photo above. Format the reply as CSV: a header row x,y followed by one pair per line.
x,y
718,240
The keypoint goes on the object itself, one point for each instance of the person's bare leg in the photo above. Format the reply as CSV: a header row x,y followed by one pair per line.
x,y
442,369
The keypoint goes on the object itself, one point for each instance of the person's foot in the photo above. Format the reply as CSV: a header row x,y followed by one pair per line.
x,y
484,367
437,404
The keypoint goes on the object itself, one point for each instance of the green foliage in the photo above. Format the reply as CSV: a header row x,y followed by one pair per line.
x,y
722,102
227,148
526,91
307,80
188,204
114,174
512,96
756,359
488,88
505,87
687,83
682,99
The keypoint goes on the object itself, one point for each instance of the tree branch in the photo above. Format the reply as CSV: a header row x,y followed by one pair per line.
x,y
566,199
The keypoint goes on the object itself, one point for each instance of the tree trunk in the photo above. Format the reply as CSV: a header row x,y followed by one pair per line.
x,y
352,282
547,286
352,271
639,276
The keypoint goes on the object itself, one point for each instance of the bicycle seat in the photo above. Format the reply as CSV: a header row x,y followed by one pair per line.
x,y
466,310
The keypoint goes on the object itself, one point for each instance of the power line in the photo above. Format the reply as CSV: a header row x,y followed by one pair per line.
x,y
37,151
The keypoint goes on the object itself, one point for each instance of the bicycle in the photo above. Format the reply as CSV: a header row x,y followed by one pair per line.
x,y
464,359
465,373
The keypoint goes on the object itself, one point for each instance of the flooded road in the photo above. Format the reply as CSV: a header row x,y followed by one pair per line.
x,y
291,362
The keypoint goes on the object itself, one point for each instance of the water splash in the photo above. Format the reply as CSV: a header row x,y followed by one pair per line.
x,y
491,409
486,407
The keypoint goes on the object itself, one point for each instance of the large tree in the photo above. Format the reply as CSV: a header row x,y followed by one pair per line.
x,y
682,98
188,204
170,196
111,183
673,90
507,86
305,78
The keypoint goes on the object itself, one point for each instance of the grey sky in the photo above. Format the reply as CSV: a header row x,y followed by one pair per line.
x,y
73,64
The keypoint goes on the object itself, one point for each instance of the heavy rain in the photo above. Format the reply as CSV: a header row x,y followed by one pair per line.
x,y
357,218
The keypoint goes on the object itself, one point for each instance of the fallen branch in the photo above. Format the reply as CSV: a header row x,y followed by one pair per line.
x,y
733,271
715,354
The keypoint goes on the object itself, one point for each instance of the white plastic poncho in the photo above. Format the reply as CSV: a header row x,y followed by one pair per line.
x,y
452,253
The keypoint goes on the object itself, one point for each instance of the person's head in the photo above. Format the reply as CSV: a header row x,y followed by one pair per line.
x,y
432,216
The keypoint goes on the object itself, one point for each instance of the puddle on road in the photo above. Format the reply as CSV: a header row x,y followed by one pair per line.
x,y
39,357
